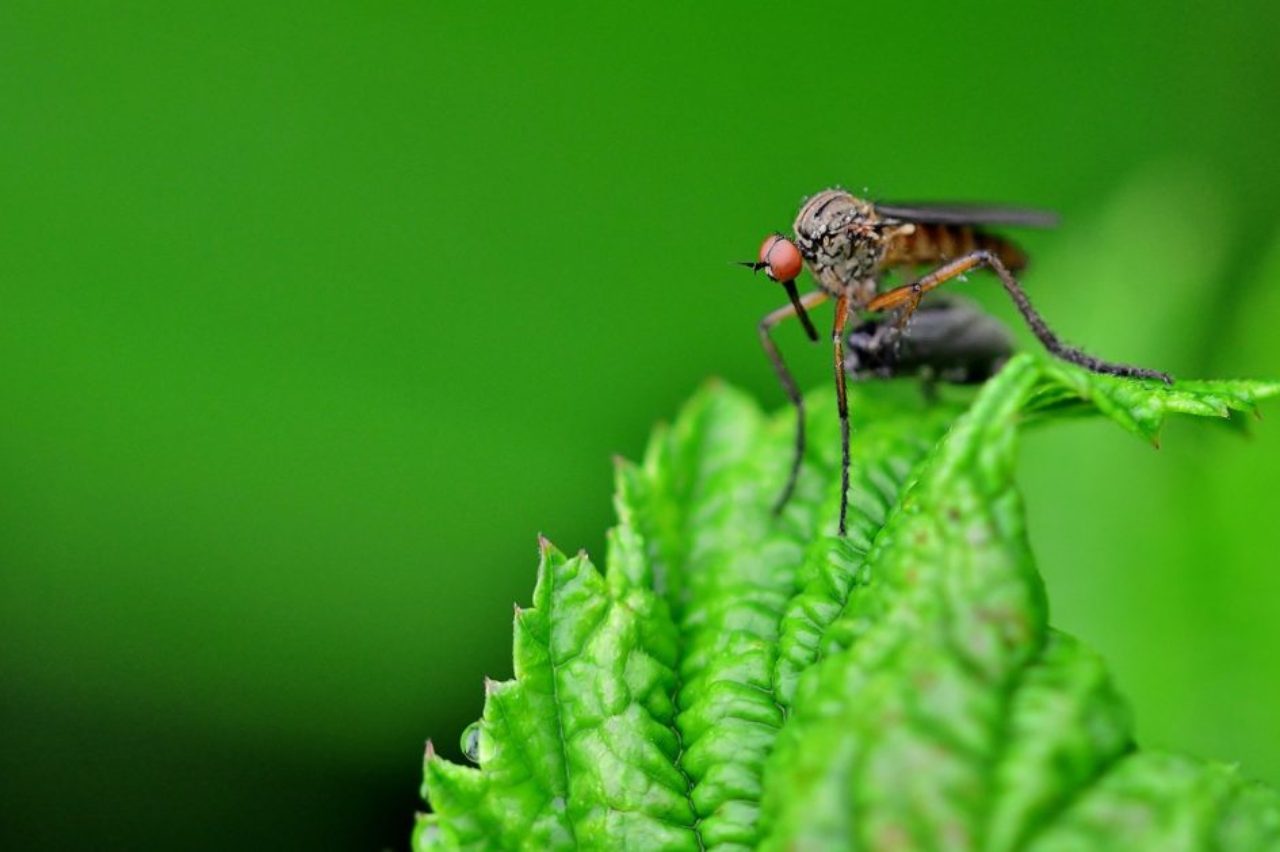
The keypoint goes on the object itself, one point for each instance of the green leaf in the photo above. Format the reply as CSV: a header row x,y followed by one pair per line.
x,y
581,745
738,680
1141,406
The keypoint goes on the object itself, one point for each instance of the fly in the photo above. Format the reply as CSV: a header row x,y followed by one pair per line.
x,y
848,245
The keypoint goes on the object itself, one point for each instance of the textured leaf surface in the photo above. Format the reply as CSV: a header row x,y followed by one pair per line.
x,y
736,680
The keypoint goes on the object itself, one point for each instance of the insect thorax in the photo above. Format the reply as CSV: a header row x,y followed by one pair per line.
x,y
839,237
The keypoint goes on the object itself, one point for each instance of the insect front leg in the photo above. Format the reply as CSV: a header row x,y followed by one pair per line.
x,y
842,402
908,297
807,302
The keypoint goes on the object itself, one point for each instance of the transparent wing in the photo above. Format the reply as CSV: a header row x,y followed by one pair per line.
x,y
968,214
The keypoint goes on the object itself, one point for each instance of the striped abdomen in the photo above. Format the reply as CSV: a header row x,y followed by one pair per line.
x,y
935,244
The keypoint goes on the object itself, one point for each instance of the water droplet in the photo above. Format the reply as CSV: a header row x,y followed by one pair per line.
x,y
471,742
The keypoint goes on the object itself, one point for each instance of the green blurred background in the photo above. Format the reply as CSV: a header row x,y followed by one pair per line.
x,y
314,314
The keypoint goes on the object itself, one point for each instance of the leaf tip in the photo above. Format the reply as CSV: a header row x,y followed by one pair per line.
x,y
429,753
490,686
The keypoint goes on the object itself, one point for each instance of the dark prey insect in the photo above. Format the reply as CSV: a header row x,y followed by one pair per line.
x,y
949,340
848,245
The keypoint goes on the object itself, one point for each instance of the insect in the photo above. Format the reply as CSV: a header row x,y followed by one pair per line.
x,y
949,340
849,245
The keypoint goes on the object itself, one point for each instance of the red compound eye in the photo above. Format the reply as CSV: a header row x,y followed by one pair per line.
x,y
781,258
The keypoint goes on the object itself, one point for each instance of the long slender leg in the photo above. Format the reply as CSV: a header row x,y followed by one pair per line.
x,y
907,297
842,401
808,301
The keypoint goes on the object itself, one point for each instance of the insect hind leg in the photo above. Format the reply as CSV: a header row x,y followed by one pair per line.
x,y
909,296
